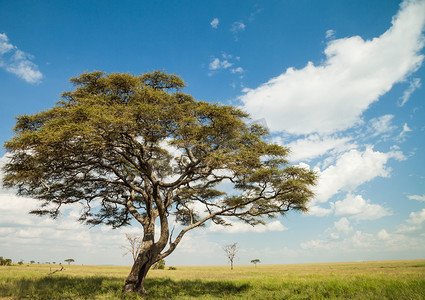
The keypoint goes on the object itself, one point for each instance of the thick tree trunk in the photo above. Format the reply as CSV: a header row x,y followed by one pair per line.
x,y
136,278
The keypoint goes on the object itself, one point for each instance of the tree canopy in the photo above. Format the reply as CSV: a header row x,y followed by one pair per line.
x,y
137,148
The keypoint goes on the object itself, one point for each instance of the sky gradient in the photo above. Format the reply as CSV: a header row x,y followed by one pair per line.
x,y
339,82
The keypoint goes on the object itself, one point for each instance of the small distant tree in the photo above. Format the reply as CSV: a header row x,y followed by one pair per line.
x,y
159,265
5,261
135,245
21,262
69,260
32,261
255,261
231,250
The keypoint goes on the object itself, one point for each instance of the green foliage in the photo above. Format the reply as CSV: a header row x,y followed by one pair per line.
x,y
159,265
255,261
69,260
112,135
5,261
172,268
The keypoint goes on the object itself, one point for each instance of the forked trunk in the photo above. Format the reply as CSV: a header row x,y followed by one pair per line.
x,y
136,278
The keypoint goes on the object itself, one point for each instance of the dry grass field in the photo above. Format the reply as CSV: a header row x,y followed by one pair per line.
x,y
354,280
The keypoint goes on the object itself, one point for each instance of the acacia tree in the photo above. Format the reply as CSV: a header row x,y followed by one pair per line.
x,y
231,250
69,260
137,148
255,261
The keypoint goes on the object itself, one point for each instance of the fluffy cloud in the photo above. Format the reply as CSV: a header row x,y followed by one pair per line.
x,y
18,62
216,64
214,23
414,222
332,96
225,62
239,227
417,197
352,169
315,145
358,208
343,226
237,27
362,242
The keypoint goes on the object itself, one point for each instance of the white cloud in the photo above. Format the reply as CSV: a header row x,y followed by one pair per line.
x,y
5,46
417,197
18,62
224,63
239,227
332,96
354,206
237,70
216,64
415,220
402,135
315,145
381,125
343,226
238,27
363,244
414,84
318,211
330,33
352,169
214,23
315,244
383,235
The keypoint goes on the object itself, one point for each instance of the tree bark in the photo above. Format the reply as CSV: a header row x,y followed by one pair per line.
x,y
145,259
136,278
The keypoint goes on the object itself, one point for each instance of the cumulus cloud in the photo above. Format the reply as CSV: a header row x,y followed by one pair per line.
x,y
18,62
417,197
239,227
343,226
315,145
214,23
414,222
414,84
382,244
332,96
354,206
352,169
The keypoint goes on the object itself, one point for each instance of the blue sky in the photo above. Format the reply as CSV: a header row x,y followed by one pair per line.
x,y
340,82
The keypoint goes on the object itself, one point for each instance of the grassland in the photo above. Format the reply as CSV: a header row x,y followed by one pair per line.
x,y
357,280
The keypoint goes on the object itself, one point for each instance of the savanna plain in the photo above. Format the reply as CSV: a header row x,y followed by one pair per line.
x,y
354,280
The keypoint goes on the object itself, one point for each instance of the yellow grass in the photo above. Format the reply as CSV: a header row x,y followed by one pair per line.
x,y
351,280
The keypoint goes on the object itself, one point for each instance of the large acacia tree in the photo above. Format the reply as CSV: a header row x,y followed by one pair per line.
x,y
137,148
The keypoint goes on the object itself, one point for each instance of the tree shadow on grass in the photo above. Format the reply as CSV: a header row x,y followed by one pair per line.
x,y
168,289
69,287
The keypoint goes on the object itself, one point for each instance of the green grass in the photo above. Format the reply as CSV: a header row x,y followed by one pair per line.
x,y
364,280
